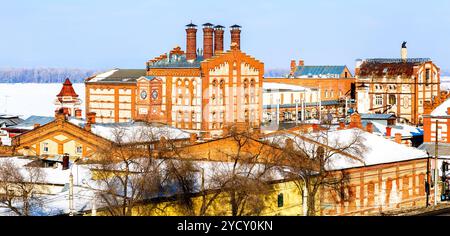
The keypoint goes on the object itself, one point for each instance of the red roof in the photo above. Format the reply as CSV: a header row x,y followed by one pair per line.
x,y
67,90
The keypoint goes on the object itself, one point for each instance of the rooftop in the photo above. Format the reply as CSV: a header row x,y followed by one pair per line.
x,y
319,71
390,67
117,76
28,124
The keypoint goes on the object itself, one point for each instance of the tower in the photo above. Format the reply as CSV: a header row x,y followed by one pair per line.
x,y
67,100
191,42
208,32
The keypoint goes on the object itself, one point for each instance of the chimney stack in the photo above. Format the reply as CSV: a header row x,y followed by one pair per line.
x,y
355,120
398,138
341,125
208,32
301,62
289,144
78,113
218,39
36,125
293,66
236,36
191,42
369,127
404,52
193,138
388,131
65,165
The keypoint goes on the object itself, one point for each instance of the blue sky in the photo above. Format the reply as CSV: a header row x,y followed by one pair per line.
x,y
102,34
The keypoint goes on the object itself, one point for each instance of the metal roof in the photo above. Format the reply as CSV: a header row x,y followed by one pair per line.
x,y
319,71
377,116
9,120
176,61
122,76
30,121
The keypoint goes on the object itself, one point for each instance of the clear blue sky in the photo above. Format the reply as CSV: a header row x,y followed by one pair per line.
x,y
107,33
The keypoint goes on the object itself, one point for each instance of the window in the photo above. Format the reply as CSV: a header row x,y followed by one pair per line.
x,y
392,99
379,100
45,147
427,76
79,149
280,200
346,74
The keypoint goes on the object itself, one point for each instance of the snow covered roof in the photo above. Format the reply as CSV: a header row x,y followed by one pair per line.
x,y
28,124
441,110
130,132
282,87
118,76
403,129
378,149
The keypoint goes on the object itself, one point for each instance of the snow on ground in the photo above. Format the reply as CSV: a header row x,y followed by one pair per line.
x,y
32,98
445,82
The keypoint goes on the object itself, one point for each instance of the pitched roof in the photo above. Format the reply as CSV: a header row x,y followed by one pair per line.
x,y
9,120
67,90
441,110
32,120
377,116
176,61
118,76
390,67
319,71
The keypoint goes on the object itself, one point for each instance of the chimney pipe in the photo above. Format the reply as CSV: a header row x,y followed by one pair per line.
x,y
65,165
398,138
218,39
293,66
208,32
369,127
78,113
301,62
404,52
388,131
235,37
191,42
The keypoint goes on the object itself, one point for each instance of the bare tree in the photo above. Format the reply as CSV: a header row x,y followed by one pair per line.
x,y
310,159
20,187
126,173
239,178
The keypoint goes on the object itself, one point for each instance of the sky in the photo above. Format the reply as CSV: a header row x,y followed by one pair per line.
x,y
104,34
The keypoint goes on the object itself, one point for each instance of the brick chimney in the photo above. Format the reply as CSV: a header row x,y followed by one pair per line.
x,y
301,62
369,127
90,117
218,38
341,125
293,66
388,131
208,32
398,138
315,127
355,121
36,126
193,138
78,113
289,144
191,42
427,107
236,36
65,165
59,114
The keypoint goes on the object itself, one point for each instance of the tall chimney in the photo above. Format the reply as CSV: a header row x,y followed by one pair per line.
x,y
236,36
218,39
191,42
208,32
404,52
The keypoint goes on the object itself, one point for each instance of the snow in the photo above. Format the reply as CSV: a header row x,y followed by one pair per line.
x,y
378,149
445,82
280,86
441,110
26,99
134,131
103,75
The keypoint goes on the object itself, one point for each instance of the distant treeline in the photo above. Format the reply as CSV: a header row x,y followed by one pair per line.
x,y
58,75
44,75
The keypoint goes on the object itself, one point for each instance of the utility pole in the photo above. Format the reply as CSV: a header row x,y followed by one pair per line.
x,y
320,107
71,194
427,184
436,173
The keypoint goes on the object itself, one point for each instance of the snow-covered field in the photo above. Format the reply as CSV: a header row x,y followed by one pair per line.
x,y
32,99
445,82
